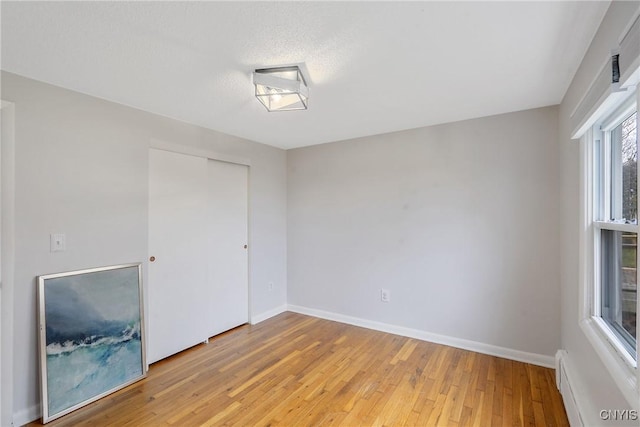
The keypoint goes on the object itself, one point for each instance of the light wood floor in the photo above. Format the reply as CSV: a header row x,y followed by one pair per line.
x,y
294,370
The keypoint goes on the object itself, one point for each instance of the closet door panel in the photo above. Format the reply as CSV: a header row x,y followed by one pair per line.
x,y
228,256
177,283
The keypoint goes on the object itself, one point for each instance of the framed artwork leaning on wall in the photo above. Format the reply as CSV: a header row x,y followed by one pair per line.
x,y
91,339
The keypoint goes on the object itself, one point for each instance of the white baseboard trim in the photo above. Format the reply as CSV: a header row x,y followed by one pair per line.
x,y
268,314
493,350
565,379
27,415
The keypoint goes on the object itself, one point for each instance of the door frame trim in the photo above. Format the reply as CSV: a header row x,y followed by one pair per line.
x,y
158,144
7,260
197,152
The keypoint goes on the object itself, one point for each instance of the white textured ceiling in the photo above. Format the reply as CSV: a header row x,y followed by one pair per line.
x,y
373,67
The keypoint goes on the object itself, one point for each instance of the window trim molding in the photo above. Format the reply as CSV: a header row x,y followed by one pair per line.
x,y
617,362
623,375
625,109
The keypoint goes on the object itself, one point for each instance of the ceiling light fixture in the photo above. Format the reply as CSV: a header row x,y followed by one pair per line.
x,y
281,88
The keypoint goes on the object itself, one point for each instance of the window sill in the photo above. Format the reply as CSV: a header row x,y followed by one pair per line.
x,y
623,374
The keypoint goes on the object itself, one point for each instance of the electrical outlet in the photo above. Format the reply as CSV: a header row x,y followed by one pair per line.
x,y
270,286
57,242
385,295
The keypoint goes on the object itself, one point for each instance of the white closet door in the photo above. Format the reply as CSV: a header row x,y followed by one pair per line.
x,y
228,259
177,280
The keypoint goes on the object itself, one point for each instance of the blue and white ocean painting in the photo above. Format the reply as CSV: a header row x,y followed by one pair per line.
x,y
93,335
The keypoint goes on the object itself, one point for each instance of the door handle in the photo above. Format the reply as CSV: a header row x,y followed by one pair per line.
x,y
152,258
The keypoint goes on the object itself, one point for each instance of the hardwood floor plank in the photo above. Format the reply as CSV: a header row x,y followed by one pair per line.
x,y
478,409
435,416
295,370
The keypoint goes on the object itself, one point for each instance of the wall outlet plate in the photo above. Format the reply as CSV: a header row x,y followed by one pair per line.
x,y
385,295
57,242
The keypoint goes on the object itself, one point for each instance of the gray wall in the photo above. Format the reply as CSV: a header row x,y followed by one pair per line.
x,y
472,226
595,386
81,169
458,221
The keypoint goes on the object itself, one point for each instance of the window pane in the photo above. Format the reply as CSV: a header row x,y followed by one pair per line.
x,y
619,285
624,173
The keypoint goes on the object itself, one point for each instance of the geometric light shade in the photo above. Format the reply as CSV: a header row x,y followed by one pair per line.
x,y
281,88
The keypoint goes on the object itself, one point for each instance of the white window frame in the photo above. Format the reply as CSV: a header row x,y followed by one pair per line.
x,y
621,366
